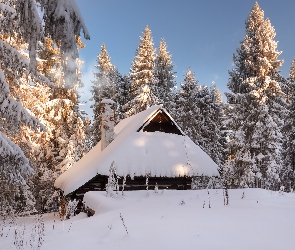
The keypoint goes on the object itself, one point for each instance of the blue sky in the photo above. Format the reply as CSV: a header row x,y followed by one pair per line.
x,y
202,35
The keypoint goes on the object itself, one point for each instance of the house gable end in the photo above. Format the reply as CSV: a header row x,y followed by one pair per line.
x,y
160,122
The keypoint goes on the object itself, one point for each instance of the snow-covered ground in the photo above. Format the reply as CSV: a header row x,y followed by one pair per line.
x,y
173,220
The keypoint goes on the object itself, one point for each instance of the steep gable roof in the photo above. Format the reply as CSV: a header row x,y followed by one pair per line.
x,y
161,121
149,142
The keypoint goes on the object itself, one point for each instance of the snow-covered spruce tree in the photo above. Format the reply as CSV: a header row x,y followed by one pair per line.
x,y
256,107
288,170
64,23
185,110
164,74
22,87
20,19
14,166
199,112
143,81
63,143
123,96
213,130
105,86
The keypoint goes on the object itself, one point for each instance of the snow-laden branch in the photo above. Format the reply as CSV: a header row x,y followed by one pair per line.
x,y
14,165
13,60
63,23
12,110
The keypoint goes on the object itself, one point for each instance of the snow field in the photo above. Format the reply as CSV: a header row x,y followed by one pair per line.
x,y
262,220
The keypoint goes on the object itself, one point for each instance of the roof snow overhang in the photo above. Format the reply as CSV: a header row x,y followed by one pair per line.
x,y
141,148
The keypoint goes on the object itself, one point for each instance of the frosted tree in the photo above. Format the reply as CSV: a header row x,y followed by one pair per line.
x,y
105,86
213,130
288,169
164,74
185,110
111,186
143,81
104,61
63,143
256,106
49,54
64,23
199,112
21,19
123,96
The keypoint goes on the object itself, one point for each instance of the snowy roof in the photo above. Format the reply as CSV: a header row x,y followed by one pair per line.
x,y
137,153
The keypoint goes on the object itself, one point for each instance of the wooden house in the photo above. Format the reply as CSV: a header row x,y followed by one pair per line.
x,y
148,144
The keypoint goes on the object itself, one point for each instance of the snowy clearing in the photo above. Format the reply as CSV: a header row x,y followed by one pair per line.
x,y
174,220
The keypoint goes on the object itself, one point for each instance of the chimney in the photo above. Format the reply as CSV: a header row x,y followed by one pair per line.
x,y
107,122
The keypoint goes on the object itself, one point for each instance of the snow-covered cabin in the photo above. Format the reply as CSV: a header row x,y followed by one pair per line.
x,y
149,143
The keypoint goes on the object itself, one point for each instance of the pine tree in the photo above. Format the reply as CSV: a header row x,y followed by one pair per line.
x,y
199,112
123,96
64,141
143,82
288,171
21,31
185,110
104,87
64,27
55,150
164,73
214,130
256,111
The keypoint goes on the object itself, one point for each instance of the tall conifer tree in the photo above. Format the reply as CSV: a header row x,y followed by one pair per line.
x,y
21,19
164,74
105,86
288,170
199,112
256,109
185,110
143,81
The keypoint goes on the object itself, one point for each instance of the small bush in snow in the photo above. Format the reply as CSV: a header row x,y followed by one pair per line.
x,y
147,186
19,236
123,186
62,207
70,227
282,189
147,182
182,202
112,182
71,208
156,188
121,217
37,234
209,204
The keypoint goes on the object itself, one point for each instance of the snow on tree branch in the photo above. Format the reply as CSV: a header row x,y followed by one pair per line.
x,y
12,110
63,23
11,59
30,27
14,165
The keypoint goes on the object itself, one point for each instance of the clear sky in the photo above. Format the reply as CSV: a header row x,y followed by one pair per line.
x,y
200,34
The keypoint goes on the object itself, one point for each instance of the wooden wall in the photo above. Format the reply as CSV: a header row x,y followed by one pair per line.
x,y
98,183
